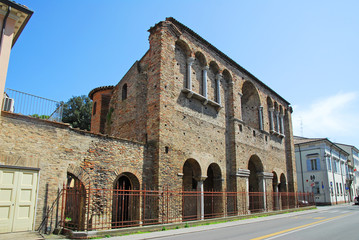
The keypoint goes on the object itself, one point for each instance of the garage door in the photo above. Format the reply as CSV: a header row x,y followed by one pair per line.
x,y
17,199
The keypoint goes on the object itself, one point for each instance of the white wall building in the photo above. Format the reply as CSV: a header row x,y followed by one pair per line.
x,y
322,168
353,160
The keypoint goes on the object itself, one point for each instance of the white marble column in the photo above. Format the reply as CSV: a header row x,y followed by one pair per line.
x,y
260,114
281,124
262,186
218,88
277,122
190,60
271,119
200,199
204,82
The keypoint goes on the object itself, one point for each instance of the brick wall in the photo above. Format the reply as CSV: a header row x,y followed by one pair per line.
x,y
57,149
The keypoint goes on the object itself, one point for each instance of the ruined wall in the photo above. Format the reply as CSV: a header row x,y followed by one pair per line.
x,y
56,149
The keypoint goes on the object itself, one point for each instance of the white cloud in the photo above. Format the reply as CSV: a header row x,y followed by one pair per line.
x,y
335,117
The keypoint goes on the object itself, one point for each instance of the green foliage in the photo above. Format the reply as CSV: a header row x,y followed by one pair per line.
x,y
77,111
186,225
40,116
163,229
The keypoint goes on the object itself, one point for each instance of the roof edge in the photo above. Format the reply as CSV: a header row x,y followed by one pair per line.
x,y
93,91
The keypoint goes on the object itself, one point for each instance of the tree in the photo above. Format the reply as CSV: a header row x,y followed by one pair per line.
x,y
77,112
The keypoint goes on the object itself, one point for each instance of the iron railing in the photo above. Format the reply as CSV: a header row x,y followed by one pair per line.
x,y
31,105
101,209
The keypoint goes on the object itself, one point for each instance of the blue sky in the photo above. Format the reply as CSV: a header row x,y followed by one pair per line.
x,y
307,51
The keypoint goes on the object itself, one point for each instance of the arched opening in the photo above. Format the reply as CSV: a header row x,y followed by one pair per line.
x,y
255,167
250,105
191,175
125,201
75,203
282,187
94,108
124,92
275,192
198,66
182,53
213,91
213,203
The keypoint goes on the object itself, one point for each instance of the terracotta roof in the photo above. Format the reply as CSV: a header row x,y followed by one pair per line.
x,y
93,91
224,56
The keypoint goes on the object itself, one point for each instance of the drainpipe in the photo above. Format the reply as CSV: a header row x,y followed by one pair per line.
x,y
301,167
4,24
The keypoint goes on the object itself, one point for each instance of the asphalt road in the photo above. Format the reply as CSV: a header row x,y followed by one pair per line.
x,y
338,222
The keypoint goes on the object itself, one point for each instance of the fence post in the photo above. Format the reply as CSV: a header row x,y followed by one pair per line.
x,y
62,220
88,207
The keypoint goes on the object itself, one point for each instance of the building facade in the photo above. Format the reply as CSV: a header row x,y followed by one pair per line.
x,y
322,168
185,117
353,163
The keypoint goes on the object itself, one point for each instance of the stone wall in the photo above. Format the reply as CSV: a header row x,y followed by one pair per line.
x,y
57,149
191,127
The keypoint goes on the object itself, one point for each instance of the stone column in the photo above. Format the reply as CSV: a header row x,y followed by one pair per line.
x,y
262,186
200,199
190,60
244,174
271,124
204,90
281,124
260,114
276,197
218,89
277,118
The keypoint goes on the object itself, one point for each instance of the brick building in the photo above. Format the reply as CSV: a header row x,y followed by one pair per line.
x,y
210,124
184,117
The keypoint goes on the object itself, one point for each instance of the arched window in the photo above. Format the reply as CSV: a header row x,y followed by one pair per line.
x,y
251,106
94,108
124,92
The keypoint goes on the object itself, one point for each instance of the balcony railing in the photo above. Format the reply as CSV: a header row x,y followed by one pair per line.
x,y
31,105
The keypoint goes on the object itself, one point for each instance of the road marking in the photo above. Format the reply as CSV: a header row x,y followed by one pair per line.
x,y
299,227
319,218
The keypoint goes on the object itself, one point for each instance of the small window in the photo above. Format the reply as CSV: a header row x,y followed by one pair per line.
x,y
94,108
124,92
313,164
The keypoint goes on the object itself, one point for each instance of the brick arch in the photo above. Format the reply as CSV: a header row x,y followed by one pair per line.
x,y
184,47
117,172
80,173
250,103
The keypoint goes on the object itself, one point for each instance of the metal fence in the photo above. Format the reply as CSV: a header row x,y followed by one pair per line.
x,y
102,209
31,105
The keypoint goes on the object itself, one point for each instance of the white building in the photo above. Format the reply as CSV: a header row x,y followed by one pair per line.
x,y
322,168
353,160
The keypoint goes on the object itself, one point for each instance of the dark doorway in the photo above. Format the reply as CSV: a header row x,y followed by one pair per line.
x,y
191,194
125,202
213,205
256,197
75,203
